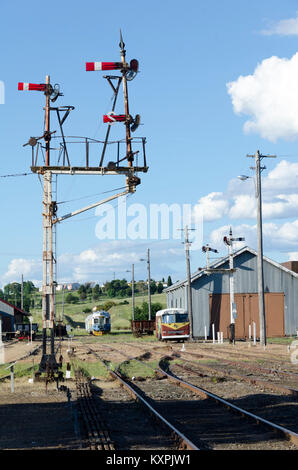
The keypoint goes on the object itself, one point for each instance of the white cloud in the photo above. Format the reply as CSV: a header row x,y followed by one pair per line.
x,y
212,207
244,207
100,262
279,197
287,27
244,230
270,97
283,178
29,268
293,256
276,237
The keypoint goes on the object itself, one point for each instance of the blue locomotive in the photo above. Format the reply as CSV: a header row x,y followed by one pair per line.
x,y
98,323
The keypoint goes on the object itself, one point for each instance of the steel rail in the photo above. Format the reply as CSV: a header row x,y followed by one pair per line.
x,y
290,435
242,364
183,441
254,381
98,437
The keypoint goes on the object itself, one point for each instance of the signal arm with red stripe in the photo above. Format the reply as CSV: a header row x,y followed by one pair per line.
x,y
22,86
114,117
94,66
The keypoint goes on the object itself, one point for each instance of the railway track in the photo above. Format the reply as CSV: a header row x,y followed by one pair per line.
x,y
93,415
221,371
271,428
270,371
96,430
273,376
181,442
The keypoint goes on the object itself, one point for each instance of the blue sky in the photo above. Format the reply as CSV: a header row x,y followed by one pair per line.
x,y
197,145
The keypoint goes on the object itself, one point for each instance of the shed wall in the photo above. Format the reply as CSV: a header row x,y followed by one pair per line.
x,y
245,281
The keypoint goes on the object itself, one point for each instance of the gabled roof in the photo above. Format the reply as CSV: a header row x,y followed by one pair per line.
x,y
224,260
13,306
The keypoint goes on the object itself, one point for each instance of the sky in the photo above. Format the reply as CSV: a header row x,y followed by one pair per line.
x,y
217,81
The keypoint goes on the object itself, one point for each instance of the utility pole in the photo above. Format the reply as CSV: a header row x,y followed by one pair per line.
x,y
133,290
187,244
22,293
149,281
262,314
233,311
149,284
62,303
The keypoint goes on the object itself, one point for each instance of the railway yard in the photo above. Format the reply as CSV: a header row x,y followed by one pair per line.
x,y
141,394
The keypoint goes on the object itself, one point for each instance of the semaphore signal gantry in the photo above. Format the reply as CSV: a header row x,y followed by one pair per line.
x,y
51,156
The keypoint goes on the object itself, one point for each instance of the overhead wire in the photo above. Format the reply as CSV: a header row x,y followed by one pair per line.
x,y
95,216
16,174
91,195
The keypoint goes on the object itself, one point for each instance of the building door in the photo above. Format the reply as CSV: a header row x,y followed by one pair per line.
x,y
247,313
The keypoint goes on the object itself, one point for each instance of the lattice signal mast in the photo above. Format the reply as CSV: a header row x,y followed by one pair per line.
x,y
48,161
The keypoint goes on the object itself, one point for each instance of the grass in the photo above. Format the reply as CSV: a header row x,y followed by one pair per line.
x,y
284,340
20,370
92,369
137,369
120,314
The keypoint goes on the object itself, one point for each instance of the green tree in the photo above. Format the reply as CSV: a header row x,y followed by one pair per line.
x,y
169,281
142,313
71,299
96,292
82,295
153,287
159,287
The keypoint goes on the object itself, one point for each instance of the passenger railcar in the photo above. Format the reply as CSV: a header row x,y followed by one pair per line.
x,y
172,324
98,323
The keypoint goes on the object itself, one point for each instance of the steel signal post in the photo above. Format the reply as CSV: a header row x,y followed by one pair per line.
x,y
123,165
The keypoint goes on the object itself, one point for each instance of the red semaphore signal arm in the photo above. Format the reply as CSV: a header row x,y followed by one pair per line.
x,y
22,86
94,66
114,117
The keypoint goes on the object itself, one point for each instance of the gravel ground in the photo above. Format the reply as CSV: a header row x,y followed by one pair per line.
x,y
35,418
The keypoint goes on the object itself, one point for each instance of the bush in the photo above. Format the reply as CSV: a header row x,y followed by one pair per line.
x,y
71,299
108,305
98,307
142,313
87,310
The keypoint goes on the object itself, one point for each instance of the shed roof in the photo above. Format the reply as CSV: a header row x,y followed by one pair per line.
x,y
19,310
222,261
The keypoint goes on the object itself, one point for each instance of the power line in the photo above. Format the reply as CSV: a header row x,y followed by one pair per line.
x,y
91,195
16,174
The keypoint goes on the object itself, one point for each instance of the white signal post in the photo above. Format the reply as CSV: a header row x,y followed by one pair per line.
x,y
229,242
187,244
206,249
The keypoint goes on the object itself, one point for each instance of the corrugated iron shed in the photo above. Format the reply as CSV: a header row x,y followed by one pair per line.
x,y
277,279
